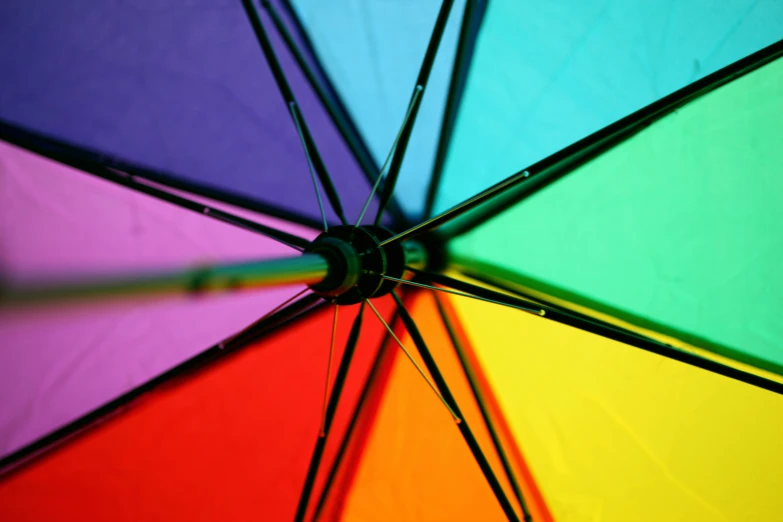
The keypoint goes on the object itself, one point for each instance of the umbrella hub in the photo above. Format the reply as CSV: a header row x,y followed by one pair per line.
x,y
357,263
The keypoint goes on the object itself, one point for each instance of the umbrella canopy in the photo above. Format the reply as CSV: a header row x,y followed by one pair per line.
x,y
458,260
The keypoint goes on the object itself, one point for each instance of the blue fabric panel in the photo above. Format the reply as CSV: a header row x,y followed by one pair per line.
x,y
372,51
546,74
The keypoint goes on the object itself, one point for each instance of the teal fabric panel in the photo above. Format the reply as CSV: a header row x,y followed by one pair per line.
x,y
546,74
678,229
372,51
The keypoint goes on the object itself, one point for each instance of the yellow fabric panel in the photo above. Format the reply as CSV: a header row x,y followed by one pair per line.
x,y
415,465
616,434
494,274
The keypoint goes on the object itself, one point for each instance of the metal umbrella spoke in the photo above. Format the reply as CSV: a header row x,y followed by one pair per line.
x,y
329,371
466,42
339,381
512,190
310,166
135,178
311,150
458,210
610,331
278,235
414,101
448,406
364,397
326,93
271,312
485,414
418,93
252,333
448,397
535,311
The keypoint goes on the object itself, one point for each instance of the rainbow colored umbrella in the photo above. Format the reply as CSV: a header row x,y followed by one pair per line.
x,y
227,297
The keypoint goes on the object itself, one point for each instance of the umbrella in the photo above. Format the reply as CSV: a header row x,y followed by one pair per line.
x,y
227,297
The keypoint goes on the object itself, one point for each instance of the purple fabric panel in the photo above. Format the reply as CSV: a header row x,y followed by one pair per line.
x,y
300,42
59,362
177,85
331,146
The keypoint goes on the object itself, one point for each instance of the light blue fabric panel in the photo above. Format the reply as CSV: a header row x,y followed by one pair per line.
x,y
372,51
546,74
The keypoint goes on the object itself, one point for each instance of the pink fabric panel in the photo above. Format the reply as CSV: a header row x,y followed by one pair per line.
x,y
60,362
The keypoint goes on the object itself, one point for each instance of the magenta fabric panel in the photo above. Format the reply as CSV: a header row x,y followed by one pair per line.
x,y
60,362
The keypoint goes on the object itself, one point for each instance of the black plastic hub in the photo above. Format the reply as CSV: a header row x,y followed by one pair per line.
x,y
357,263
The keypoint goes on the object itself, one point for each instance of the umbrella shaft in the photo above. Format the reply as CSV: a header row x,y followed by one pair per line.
x,y
302,269
308,268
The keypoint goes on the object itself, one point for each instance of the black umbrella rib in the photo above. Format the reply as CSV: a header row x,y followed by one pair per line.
x,y
375,371
471,23
328,96
74,157
413,108
604,329
334,399
479,396
514,189
467,434
297,117
187,369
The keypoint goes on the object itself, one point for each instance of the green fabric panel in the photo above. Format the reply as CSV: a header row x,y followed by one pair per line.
x,y
680,227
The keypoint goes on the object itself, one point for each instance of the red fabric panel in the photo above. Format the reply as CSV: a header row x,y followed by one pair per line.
x,y
230,442
335,498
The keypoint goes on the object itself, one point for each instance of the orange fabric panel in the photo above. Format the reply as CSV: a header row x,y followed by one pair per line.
x,y
229,442
415,464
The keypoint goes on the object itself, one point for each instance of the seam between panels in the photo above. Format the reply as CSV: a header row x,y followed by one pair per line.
x,y
567,316
339,114
190,368
472,20
555,296
72,155
494,413
342,475
514,189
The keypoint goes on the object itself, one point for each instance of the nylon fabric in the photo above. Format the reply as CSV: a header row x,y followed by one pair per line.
x,y
220,444
544,76
179,86
414,464
372,52
612,433
59,362
519,466
678,230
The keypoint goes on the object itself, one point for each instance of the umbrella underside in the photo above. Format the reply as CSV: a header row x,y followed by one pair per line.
x,y
503,379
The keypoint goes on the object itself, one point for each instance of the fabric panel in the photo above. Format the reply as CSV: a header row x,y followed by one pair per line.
x,y
678,229
229,442
613,433
518,464
181,87
545,76
415,464
372,52
60,361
